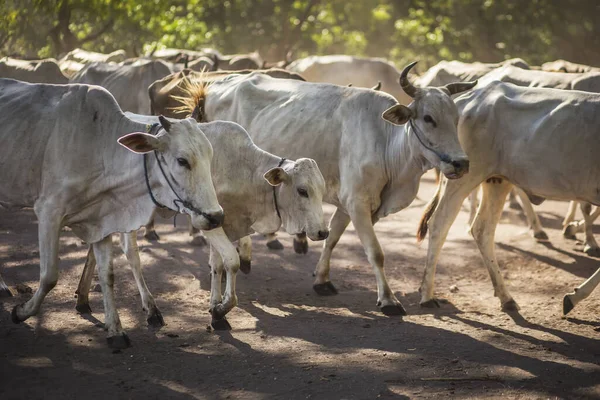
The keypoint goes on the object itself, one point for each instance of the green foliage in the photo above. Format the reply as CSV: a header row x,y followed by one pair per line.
x,y
428,30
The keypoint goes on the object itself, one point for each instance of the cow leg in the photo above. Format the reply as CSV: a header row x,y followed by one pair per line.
x,y
49,227
223,253
484,229
245,252
590,247
301,243
474,203
198,238
130,248
117,338
451,199
85,283
575,227
337,225
4,290
272,242
150,233
581,292
568,231
363,223
532,217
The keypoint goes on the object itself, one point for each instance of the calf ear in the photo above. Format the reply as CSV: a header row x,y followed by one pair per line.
x,y
276,176
139,142
397,115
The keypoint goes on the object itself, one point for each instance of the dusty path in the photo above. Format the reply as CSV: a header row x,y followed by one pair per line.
x,y
288,343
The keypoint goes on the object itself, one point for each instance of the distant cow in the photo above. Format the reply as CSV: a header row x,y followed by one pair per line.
x,y
371,150
33,71
545,141
567,66
128,83
87,57
258,191
361,72
60,154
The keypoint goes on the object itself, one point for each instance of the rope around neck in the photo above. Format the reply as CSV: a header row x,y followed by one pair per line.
x,y
442,157
274,191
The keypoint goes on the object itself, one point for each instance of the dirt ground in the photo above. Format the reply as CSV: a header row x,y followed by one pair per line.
x,y
289,343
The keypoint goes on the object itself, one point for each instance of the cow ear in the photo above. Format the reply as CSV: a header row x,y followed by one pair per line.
x,y
140,143
276,176
397,115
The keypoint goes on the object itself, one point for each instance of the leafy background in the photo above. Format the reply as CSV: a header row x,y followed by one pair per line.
x,y
429,30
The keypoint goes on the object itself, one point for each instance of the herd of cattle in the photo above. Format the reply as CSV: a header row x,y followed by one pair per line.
x,y
243,146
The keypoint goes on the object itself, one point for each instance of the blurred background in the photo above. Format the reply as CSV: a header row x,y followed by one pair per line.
x,y
432,30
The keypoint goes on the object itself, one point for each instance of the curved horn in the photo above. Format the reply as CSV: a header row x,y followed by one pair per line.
x,y
408,87
166,124
377,87
459,87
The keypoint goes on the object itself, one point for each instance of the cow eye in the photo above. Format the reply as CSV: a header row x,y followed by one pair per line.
x,y
428,119
302,192
184,163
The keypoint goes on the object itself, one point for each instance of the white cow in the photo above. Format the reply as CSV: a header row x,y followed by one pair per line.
x,y
537,139
33,71
359,71
86,57
567,66
128,83
258,191
372,166
63,151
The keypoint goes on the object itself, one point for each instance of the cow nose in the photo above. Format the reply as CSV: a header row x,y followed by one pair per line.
x,y
215,219
323,235
461,165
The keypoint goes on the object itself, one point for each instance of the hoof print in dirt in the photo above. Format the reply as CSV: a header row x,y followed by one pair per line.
x,y
14,317
5,292
198,241
155,320
510,305
275,245
567,305
592,251
83,308
325,289
569,232
245,266
119,342
393,310
300,246
220,324
433,303
152,236
541,235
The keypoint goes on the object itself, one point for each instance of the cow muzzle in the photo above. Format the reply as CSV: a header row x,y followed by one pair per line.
x,y
208,220
456,169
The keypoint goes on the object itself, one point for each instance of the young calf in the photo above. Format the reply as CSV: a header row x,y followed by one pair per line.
x,y
258,191
537,139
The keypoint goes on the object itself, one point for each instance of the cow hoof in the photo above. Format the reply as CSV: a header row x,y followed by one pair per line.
x,y
541,235
14,317
591,251
245,266
393,309
83,308
155,319
510,305
198,241
5,292
569,232
567,305
152,236
325,289
300,247
220,324
118,342
275,245
432,303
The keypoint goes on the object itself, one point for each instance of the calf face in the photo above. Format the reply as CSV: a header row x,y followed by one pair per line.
x,y
432,118
185,155
300,197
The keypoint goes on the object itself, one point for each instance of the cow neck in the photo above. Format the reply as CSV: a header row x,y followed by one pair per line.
x,y
404,161
178,202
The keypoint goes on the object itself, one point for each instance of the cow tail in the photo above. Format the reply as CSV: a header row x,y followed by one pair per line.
x,y
194,97
429,210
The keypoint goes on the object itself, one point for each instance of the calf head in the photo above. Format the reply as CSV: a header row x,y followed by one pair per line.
x,y
432,118
185,155
300,188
